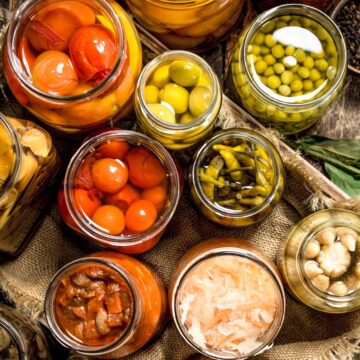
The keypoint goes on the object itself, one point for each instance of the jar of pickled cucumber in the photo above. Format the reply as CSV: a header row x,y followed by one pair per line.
x,y
177,99
188,24
72,63
236,177
320,261
288,66
28,165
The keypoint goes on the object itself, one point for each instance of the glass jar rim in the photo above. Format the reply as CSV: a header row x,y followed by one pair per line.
x,y
11,46
132,137
226,251
169,56
14,336
50,312
314,14
249,135
179,4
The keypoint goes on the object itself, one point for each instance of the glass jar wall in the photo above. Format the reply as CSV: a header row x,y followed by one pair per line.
x,y
73,64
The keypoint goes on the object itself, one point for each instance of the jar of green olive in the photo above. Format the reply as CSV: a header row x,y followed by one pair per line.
x,y
288,66
236,177
320,261
177,99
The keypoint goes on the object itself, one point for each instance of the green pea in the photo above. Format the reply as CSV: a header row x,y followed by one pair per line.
x,y
269,71
184,73
296,94
271,109
256,50
273,82
331,48
269,59
176,96
187,117
279,68
322,34
285,18
259,38
251,58
296,85
151,94
306,22
295,23
280,115
235,68
162,112
264,50
322,65
309,62
314,75
240,79
278,51
260,107
304,72
161,76
295,117
263,79
236,54
244,91
319,55
300,55
269,41
308,85
268,27
284,90
249,102
260,66
199,100
333,61
281,24
295,69
287,77
319,83
289,50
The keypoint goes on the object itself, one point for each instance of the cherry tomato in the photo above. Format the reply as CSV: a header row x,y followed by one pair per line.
x,y
114,150
140,216
110,219
86,201
157,195
53,73
84,178
145,169
124,198
93,51
109,175
64,211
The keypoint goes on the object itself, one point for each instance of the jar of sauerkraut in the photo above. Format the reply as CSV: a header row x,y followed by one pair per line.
x,y
227,299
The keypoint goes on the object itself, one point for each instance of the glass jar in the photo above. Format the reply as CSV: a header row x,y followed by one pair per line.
x,y
211,299
29,164
127,310
151,176
283,80
168,117
20,338
187,24
233,197
320,261
69,101
263,5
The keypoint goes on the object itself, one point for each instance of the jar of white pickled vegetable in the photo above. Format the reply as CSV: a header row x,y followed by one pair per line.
x,y
227,299
320,261
288,66
28,165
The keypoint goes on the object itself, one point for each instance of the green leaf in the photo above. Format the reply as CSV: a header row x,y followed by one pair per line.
x,y
343,180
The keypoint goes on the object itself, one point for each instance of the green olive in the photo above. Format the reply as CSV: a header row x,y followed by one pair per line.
x,y
204,79
151,94
186,118
184,73
162,112
176,96
199,100
161,76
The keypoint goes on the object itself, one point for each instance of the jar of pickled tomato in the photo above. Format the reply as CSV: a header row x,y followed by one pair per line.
x,y
236,177
227,299
29,164
120,190
107,305
320,261
187,24
20,338
72,63
288,66
177,99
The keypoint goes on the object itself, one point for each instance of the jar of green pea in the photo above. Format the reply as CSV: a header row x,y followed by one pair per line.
x,y
288,66
177,99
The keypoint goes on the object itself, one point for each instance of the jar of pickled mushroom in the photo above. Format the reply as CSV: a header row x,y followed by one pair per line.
x,y
20,338
320,261
72,63
227,299
29,164
236,177
177,99
107,305
120,190
187,24
288,67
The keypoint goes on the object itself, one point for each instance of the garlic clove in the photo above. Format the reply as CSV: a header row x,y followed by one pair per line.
x,y
338,271
312,249
349,241
341,231
321,282
36,141
326,236
338,288
312,269
352,282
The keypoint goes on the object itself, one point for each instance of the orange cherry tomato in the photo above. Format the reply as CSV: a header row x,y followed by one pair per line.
x,y
110,219
140,216
114,150
124,198
157,195
145,169
86,201
93,51
53,73
109,175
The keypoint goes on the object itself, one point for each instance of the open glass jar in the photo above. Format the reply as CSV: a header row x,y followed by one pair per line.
x,y
236,177
177,100
106,305
211,299
73,64
320,261
187,24
29,164
288,66
120,190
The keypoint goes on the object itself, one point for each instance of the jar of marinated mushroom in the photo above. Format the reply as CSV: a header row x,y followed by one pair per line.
x,y
320,261
29,164
20,338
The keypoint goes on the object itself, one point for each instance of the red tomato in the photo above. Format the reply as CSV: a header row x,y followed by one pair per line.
x,y
124,198
86,202
84,178
109,175
140,216
53,73
110,219
157,195
114,150
145,169
93,51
